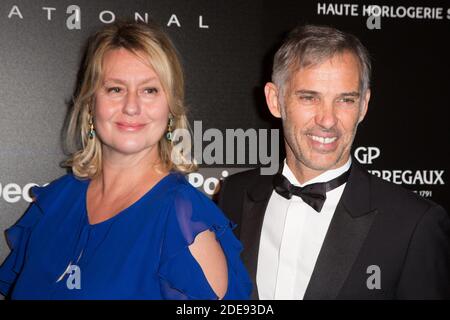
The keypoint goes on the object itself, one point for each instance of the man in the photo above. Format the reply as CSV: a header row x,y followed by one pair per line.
x,y
323,228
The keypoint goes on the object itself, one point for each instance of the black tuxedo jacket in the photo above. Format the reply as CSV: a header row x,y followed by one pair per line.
x,y
375,223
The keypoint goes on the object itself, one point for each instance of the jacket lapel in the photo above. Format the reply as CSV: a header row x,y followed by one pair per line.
x,y
254,207
347,232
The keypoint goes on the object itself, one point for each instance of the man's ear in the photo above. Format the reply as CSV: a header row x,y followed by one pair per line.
x,y
271,92
364,106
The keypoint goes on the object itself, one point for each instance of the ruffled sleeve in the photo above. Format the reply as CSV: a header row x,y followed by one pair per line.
x,y
181,277
17,238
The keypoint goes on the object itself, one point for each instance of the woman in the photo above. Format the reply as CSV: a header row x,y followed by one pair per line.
x,y
125,224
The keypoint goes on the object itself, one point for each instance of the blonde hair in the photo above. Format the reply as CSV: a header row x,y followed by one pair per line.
x,y
146,40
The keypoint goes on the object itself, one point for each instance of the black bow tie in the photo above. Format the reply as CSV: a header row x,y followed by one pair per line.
x,y
313,194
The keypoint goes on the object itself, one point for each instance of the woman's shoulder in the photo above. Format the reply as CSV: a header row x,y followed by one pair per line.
x,y
180,186
183,191
191,204
62,185
193,213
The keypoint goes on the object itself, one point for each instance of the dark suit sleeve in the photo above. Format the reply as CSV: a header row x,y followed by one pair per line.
x,y
426,269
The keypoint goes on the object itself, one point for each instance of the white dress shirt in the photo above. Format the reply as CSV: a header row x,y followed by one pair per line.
x,y
291,238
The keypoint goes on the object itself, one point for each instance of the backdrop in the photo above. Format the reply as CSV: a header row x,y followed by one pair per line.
x,y
227,49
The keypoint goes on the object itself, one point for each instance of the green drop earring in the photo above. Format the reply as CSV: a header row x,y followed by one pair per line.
x,y
169,134
91,132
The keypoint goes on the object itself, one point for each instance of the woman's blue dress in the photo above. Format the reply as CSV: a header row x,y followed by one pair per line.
x,y
140,253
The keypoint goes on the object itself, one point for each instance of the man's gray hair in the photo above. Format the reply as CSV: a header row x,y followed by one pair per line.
x,y
310,45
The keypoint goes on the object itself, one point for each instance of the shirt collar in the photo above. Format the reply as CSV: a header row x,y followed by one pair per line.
x,y
323,177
